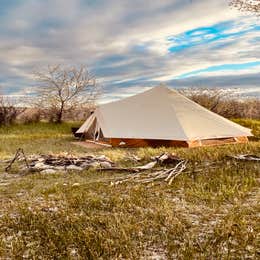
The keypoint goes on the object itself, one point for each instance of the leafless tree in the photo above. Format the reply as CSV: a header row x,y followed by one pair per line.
x,y
252,6
62,89
8,110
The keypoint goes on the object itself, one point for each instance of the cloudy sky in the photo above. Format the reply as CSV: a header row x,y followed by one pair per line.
x,y
131,45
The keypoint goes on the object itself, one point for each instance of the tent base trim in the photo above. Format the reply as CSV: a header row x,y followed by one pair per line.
x,y
131,142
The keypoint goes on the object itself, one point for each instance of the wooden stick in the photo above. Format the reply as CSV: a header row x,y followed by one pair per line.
x,y
18,153
173,170
183,167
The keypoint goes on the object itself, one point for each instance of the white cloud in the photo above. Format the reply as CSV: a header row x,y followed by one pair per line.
x,y
37,33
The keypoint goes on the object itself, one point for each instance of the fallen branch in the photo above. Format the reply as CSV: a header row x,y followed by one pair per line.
x,y
177,172
168,175
147,166
163,159
120,169
245,157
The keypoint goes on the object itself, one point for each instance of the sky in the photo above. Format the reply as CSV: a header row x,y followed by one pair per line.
x,y
131,45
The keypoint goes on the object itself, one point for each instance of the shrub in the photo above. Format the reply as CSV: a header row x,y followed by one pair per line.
x,y
30,115
8,112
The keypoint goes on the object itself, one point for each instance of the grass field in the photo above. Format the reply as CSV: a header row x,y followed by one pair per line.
x,y
212,214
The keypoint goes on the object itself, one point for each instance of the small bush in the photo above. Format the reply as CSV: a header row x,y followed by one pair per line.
x,y
8,111
29,116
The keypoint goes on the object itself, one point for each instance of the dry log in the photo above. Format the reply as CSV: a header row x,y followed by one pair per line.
x,y
147,166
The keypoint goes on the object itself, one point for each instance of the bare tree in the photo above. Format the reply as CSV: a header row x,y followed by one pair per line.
x,y
63,89
252,6
8,110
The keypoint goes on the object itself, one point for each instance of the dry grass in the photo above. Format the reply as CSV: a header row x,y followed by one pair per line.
x,y
213,214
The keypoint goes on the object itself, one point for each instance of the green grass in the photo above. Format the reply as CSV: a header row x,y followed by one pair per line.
x,y
252,124
37,138
212,214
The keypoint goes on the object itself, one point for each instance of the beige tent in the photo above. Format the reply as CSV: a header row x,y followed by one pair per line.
x,y
160,117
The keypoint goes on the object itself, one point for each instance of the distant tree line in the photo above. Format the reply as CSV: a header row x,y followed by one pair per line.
x,y
225,104
217,101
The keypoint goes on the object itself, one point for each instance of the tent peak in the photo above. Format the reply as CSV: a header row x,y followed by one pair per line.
x,y
162,88
158,91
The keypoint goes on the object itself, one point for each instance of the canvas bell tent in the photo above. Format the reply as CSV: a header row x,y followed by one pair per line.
x,y
160,117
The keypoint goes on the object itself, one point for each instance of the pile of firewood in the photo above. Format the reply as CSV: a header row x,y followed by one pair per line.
x,y
59,163
54,163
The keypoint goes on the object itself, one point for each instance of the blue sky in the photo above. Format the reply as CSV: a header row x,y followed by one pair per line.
x,y
130,45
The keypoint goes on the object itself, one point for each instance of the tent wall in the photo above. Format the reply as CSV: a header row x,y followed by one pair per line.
x,y
127,142
90,133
